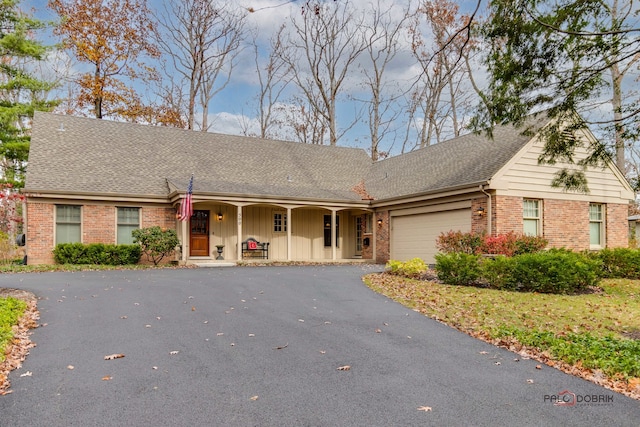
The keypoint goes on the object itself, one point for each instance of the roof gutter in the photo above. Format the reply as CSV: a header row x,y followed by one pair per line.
x,y
460,189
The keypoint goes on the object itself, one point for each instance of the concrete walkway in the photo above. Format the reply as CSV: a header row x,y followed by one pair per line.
x,y
262,346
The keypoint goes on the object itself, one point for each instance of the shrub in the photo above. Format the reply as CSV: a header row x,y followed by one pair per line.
x,y
555,271
413,268
458,268
619,263
508,244
497,272
457,241
156,243
96,253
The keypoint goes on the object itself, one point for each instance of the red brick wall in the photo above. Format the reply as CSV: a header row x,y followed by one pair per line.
x,y
566,224
98,226
382,236
507,214
163,217
617,229
39,233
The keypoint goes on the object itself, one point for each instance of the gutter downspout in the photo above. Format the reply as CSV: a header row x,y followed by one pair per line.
x,y
489,213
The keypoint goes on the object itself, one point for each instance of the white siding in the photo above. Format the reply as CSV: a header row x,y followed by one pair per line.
x,y
524,176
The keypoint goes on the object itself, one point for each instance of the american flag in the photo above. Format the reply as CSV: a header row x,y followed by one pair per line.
x,y
186,206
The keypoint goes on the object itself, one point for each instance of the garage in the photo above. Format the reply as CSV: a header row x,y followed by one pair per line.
x,y
415,235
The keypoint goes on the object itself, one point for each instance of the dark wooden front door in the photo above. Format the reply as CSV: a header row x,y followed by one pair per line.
x,y
199,236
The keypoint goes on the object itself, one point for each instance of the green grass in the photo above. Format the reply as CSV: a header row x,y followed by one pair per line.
x,y
11,309
14,268
589,330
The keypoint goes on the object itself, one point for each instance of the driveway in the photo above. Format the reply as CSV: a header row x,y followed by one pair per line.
x,y
261,346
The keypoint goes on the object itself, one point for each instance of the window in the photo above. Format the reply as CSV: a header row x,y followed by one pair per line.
x,y
68,222
327,229
531,217
368,223
596,225
128,220
279,222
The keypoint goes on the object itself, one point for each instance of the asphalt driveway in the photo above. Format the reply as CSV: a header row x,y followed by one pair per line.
x,y
261,346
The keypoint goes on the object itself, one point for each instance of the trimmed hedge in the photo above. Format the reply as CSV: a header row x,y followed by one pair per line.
x,y
619,263
556,271
96,253
508,244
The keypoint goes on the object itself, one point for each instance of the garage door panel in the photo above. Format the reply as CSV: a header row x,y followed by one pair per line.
x,y
414,236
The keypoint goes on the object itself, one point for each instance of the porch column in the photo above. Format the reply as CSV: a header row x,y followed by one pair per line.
x,y
185,240
239,246
288,234
334,235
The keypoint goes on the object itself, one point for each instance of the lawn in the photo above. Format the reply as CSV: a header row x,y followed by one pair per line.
x,y
11,309
595,335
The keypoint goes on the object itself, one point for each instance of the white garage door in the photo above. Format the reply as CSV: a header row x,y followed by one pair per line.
x,y
414,236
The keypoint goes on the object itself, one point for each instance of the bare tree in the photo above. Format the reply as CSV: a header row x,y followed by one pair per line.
x,y
437,101
201,39
273,78
382,34
322,47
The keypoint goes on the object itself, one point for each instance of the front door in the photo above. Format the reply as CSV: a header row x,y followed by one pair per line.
x,y
199,236
358,225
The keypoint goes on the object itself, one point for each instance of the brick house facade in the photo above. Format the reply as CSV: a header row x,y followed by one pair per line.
x,y
292,195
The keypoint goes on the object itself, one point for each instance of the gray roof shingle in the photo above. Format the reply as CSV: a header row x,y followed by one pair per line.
x,y
82,155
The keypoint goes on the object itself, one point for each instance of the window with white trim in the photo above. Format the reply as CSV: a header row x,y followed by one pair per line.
x,y
128,220
531,217
68,224
596,225
280,222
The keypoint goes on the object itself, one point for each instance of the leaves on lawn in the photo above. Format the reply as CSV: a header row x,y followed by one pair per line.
x,y
114,356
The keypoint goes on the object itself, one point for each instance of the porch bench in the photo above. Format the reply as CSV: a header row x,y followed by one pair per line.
x,y
251,248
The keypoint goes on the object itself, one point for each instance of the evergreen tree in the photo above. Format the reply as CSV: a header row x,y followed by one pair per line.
x,y
20,92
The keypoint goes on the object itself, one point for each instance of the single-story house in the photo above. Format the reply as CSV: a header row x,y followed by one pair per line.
x,y
94,180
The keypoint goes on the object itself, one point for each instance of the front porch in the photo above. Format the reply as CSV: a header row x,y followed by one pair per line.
x,y
294,233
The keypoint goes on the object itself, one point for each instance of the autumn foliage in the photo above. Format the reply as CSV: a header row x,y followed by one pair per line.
x,y
113,38
508,244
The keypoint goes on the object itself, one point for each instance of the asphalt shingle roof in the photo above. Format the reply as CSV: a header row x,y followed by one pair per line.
x,y
82,155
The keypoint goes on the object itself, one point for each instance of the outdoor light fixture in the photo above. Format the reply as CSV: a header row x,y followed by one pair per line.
x,y
219,216
480,211
379,221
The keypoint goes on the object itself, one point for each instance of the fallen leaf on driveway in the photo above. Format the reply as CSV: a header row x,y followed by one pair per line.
x,y
123,317
254,398
106,378
483,352
219,334
280,347
301,320
344,368
529,381
425,408
193,309
70,367
174,352
322,352
27,374
378,331
538,367
114,356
